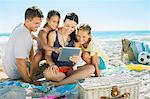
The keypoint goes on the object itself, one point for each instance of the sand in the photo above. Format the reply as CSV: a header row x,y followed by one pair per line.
x,y
112,49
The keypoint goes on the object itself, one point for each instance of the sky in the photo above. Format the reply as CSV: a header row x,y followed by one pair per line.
x,y
101,15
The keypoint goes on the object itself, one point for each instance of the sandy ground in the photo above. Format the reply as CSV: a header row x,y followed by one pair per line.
x,y
111,48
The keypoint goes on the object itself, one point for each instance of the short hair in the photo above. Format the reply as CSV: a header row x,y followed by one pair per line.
x,y
84,27
72,16
33,12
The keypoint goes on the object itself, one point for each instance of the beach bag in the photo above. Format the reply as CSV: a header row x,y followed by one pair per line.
x,y
103,59
102,64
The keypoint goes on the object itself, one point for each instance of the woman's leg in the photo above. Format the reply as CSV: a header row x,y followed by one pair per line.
x,y
82,72
49,74
35,64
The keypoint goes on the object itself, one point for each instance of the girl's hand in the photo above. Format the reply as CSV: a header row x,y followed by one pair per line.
x,y
57,50
74,58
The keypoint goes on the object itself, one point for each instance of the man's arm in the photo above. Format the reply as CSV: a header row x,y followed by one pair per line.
x,y
23,70
31,56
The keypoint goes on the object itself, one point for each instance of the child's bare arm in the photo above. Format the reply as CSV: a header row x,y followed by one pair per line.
x,y
48,53
43,39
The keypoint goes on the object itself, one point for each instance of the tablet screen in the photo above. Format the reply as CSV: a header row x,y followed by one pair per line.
x,y
67,52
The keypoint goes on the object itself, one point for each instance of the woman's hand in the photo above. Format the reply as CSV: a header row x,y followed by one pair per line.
x,y
74,58
54,69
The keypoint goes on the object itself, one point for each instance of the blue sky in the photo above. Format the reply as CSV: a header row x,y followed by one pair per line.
x,y
102,15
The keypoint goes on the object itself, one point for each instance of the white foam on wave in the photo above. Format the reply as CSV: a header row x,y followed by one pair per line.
x,y
3,39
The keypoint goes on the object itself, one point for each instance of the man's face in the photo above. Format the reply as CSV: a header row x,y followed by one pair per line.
x,y
34,24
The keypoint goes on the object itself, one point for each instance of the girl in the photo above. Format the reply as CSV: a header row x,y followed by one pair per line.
x,y
89,55
62,72
53,18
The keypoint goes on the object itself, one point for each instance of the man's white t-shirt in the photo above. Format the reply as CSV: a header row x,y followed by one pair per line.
x,y
18,46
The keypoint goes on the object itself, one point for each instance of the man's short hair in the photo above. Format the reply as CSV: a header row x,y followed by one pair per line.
x,y
32,12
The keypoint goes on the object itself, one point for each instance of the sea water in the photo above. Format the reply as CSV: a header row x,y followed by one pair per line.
x,y
100,35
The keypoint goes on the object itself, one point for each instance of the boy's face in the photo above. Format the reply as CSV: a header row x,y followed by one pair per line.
x,y
83,36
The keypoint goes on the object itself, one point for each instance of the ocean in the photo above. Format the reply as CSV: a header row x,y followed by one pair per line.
x,y
109,35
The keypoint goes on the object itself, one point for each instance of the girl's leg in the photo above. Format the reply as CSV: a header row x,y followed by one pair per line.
x,y
95,62
86,57
35,64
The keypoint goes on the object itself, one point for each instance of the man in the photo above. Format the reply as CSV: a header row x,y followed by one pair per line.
x,y
20,46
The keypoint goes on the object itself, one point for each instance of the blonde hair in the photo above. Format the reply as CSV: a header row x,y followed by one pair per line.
x,y
84,27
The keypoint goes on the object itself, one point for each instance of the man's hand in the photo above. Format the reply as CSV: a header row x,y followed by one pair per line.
x,y
37,83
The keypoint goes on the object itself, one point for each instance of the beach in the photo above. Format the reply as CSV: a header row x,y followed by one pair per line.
x,y
112,49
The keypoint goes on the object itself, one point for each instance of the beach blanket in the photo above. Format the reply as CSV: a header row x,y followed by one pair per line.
x,y
23,90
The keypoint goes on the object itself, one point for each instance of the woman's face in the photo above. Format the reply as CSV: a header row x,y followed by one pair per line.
x,y
69,26
53,22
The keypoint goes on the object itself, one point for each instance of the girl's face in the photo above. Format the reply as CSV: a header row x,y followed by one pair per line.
x,y
83,36
53,22
69,26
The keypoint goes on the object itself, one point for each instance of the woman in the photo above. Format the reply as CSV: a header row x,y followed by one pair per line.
x,y
63,72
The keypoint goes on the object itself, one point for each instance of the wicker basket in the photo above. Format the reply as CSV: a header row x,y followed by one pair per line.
x,y
114,87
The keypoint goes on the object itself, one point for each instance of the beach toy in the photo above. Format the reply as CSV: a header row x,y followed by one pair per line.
x,y
135,67
138,67
144,57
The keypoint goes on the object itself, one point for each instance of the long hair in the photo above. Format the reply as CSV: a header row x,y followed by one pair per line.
x,y
51,14
74,17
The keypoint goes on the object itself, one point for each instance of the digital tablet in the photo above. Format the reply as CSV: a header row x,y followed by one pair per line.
x,y
67,52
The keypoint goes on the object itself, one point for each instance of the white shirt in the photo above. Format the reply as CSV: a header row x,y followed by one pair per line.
x,y
18,46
